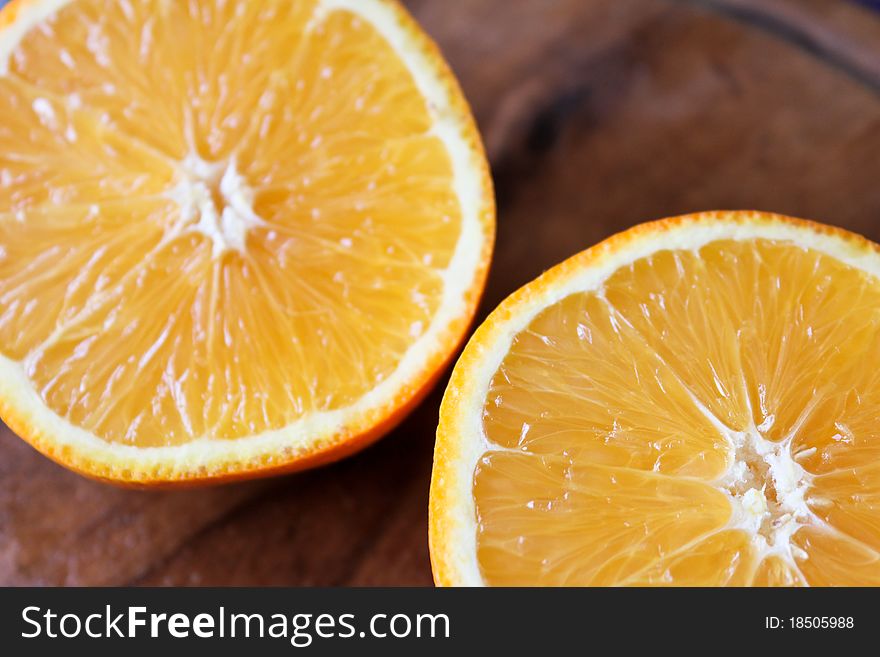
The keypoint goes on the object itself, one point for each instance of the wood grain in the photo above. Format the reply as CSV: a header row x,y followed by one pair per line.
x,y
597,115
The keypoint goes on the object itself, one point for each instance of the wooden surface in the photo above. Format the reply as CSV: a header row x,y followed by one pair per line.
x,y
597,115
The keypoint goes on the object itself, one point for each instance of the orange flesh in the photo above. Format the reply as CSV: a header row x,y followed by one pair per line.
x,y
128,320
610,422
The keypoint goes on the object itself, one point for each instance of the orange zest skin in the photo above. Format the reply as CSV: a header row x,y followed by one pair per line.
x,y
126,468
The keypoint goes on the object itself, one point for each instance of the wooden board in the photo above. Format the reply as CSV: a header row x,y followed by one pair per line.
x,y
597,115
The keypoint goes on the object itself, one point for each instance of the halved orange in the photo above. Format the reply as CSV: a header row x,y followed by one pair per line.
x,y
236,237
692,402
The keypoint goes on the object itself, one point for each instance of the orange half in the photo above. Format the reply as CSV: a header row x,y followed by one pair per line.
x,y
692,402
236,237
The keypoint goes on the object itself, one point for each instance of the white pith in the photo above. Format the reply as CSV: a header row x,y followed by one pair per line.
x,y
227,227
770,523
467,441
225,222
